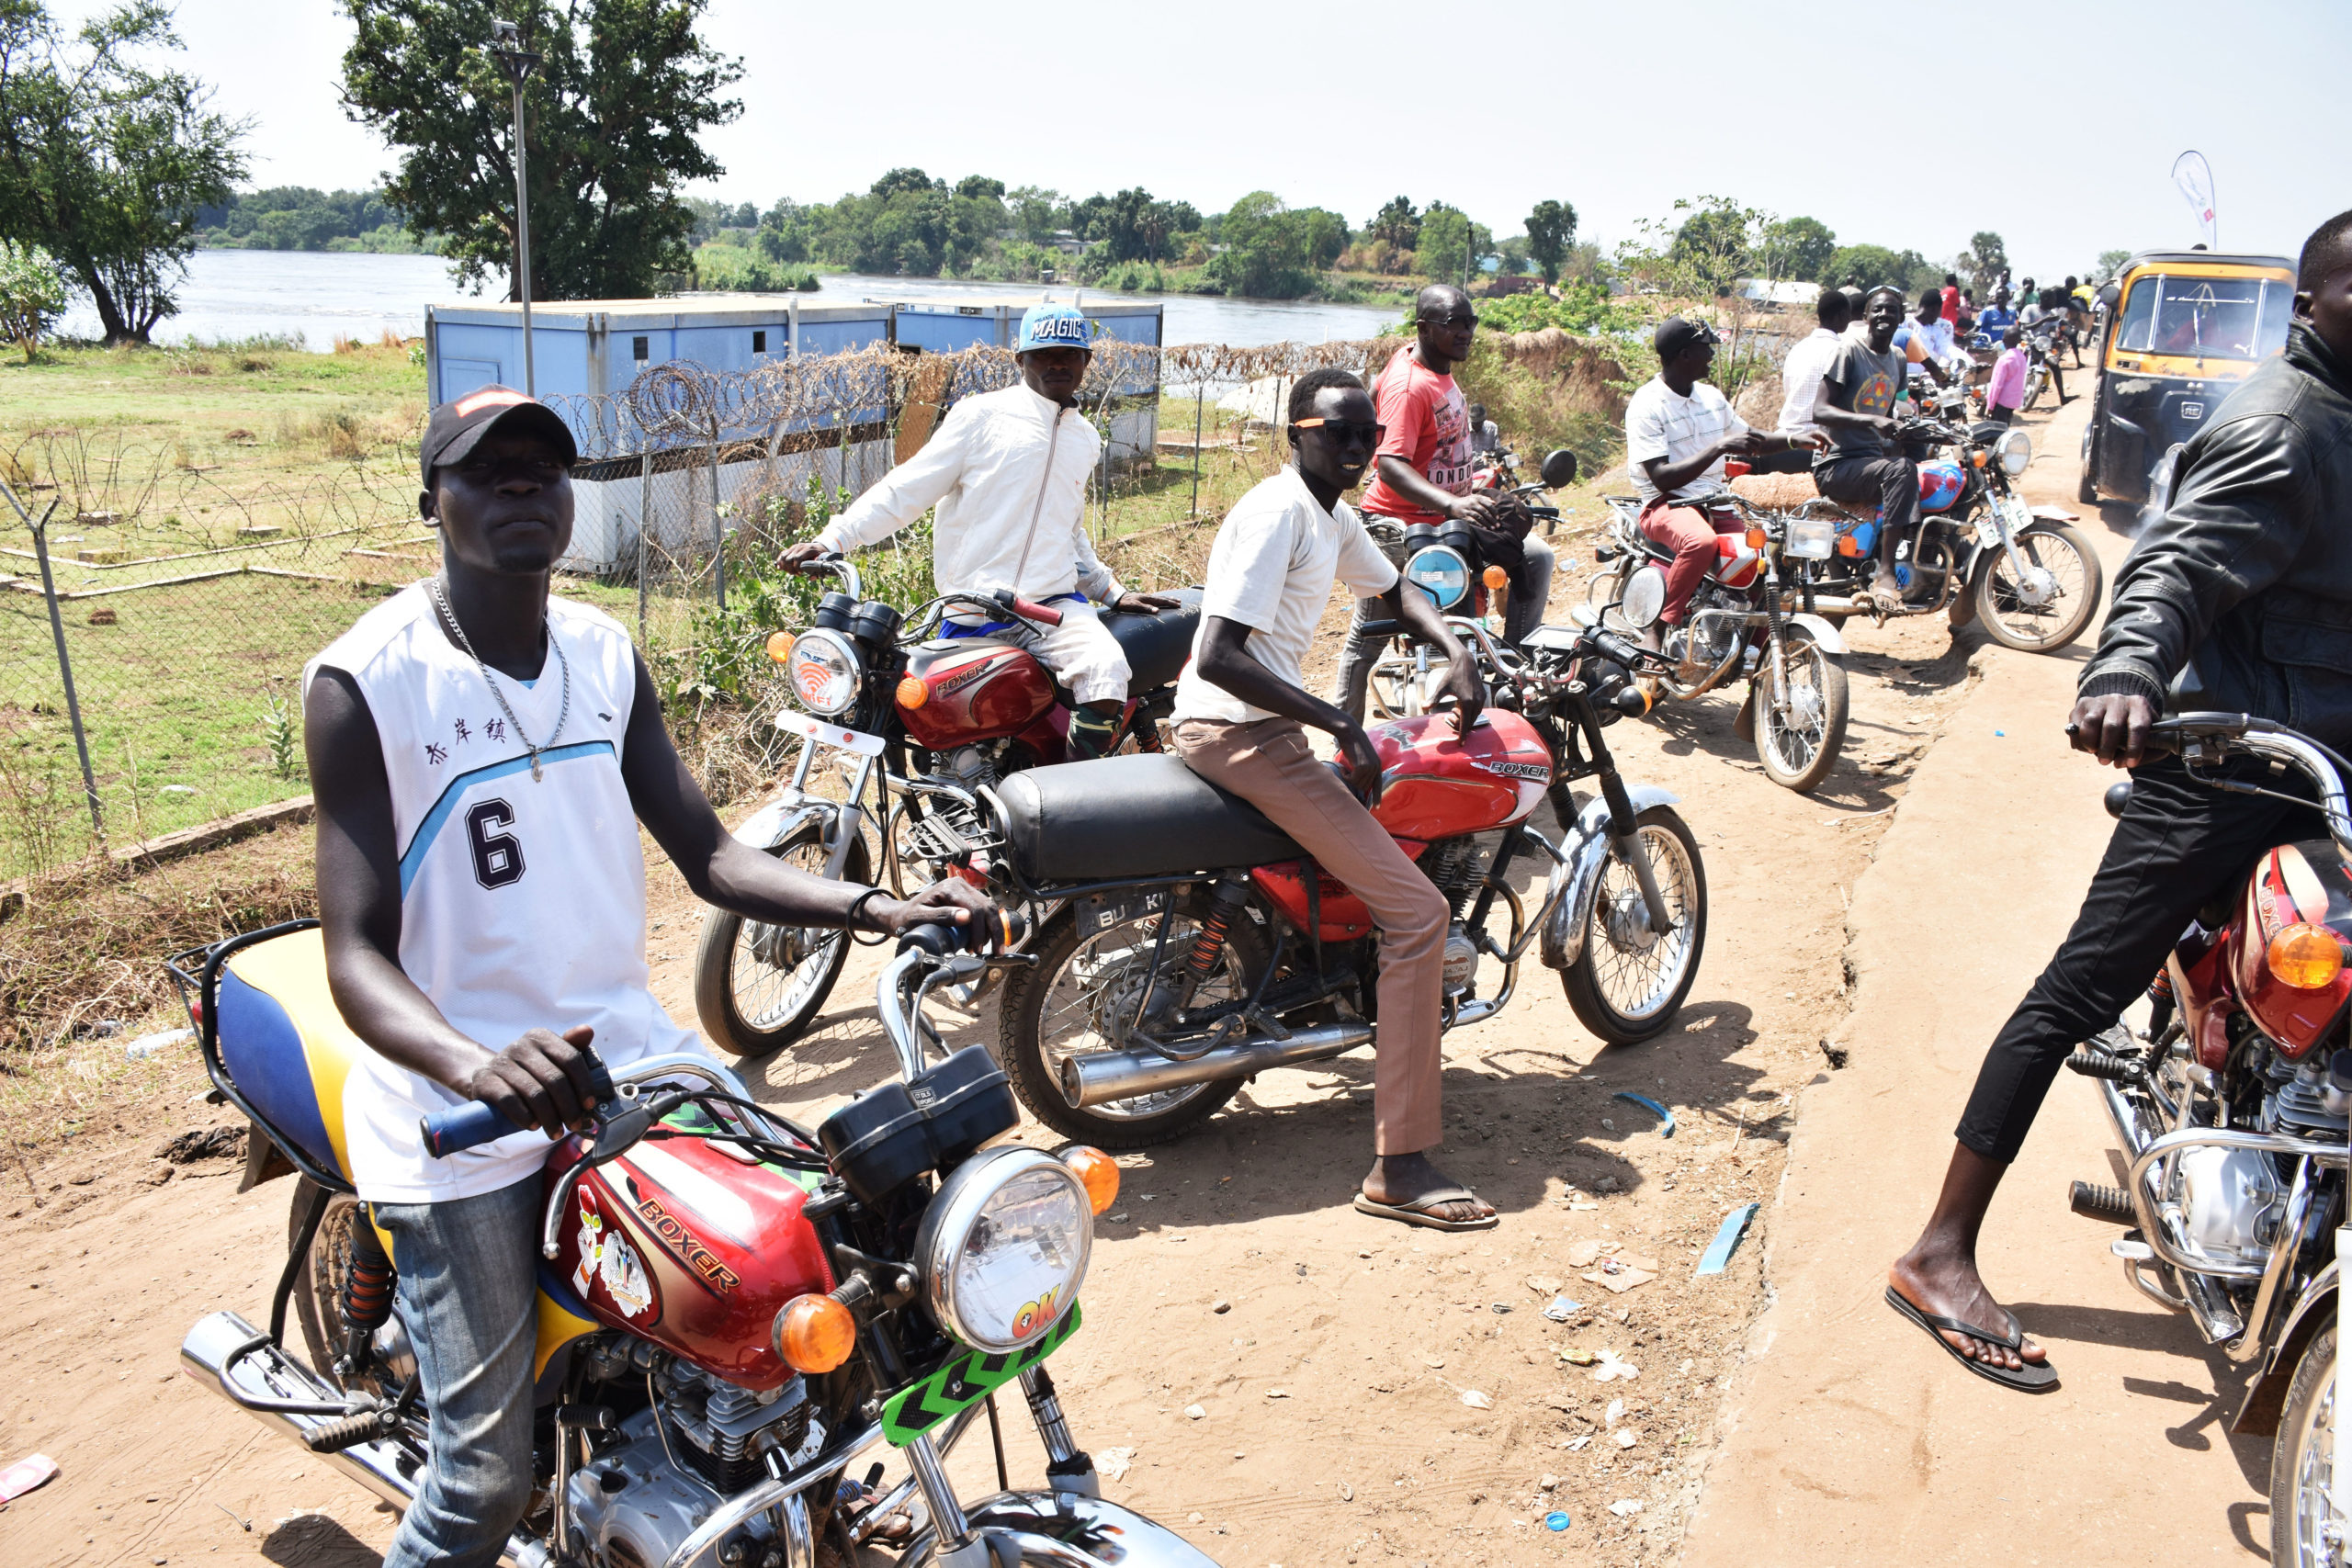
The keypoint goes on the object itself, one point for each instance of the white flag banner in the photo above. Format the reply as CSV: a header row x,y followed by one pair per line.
x,y
2195,179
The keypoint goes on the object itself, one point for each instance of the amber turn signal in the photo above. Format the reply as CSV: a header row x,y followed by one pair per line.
x,y
1980,458
1098,1171
913,693
815,1334
1756,538
1494,578
2306,957
780,645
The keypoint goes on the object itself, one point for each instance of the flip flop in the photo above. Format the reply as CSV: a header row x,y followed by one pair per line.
x,y
2032,1378
1417,1212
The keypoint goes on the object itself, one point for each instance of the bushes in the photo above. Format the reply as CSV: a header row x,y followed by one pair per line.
x,y
1551,393
724,266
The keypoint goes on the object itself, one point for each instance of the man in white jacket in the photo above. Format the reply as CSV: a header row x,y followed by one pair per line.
x,y
1008,471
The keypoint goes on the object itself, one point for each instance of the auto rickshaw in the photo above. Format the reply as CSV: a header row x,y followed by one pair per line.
x,y
2182,329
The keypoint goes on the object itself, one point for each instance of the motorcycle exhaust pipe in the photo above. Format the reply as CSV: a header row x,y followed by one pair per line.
x,y
1122,1075
382,1466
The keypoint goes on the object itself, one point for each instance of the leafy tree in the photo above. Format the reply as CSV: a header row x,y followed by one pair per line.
x,y
613,117
1265,249
1797,247
1984,261
1714,247
106,162
1036,213
1868,265
1397,223
1326,234
2110,264
1450,245
1551,230
33,295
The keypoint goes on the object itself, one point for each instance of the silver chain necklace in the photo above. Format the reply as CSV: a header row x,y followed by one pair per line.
x,y
432,586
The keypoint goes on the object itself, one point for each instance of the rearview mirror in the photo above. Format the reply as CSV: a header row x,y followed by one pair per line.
x,y
1559,468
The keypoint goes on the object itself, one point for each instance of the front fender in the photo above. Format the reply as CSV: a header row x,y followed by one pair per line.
x,y
1064,1528
782,817
2265,1397
1587,849
1824,635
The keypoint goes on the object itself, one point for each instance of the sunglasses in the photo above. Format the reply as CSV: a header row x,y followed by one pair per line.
x,y
1345,429
1448,321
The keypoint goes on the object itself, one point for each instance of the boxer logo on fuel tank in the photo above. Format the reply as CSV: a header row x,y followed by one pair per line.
x,y
683,1242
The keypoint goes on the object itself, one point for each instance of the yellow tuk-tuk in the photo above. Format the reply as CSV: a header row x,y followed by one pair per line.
x,y
2183,327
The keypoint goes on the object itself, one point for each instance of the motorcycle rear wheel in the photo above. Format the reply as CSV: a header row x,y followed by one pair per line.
x,y
1798,748
749,1006
1054,1009
2302,1458
2066,552
318,1285
1622,988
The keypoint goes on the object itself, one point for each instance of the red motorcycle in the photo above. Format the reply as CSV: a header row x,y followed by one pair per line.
x,y
734,1312
924,724
1186,944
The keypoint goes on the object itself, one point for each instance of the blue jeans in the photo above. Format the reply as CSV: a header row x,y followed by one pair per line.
x,y
469,1292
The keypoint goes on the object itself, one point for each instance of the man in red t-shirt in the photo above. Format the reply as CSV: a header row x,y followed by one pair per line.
x,y
1952,297
1423,476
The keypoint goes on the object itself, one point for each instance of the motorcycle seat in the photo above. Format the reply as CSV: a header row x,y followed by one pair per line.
x,y
1159,645
285,1043
1142,815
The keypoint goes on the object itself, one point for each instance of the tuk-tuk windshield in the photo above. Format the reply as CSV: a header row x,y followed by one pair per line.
x,y
2206,318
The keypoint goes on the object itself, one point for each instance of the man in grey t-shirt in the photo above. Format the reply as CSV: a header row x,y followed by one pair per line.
x,y
1865,465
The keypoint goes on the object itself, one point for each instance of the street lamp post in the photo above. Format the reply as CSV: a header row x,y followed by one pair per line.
x,y
506,48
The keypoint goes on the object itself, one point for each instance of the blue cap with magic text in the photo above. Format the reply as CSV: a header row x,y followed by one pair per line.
x,y
1054,326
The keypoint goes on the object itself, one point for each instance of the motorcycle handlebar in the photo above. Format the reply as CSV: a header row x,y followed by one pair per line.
x,y
1029,609
476,1122
943,939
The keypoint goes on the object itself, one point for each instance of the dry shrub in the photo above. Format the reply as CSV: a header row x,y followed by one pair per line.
x,y
255,364
390,339
13,469
89,945
1547,389
347,344
191,364
345,435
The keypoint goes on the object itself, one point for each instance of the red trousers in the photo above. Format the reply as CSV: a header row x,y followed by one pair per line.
x,y
1690,533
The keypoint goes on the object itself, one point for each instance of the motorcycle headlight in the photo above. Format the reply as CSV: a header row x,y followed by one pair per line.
x,y
1439,572
1811,538
2014,449
1644,598
1004,1247
826,673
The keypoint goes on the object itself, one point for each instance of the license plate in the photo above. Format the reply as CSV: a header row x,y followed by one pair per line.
x,y
914,1411
1103,911
824,734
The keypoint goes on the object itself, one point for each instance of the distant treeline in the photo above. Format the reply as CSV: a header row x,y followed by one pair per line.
x,y
296,218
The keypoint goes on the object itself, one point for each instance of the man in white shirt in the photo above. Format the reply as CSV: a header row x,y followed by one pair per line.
x,y
1008,471
1241,711
1679,430
1808,362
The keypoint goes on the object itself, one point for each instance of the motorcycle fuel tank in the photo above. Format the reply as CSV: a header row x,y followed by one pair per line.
x,y
2303,883
968,690
1436,785
683,1244
1941,482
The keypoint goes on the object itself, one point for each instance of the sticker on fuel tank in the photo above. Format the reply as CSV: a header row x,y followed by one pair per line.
x,y
606,1259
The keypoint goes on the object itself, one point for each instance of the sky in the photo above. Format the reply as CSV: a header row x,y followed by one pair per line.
x,y
2053,124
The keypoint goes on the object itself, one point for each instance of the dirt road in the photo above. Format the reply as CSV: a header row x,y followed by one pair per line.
x,y
1333,1357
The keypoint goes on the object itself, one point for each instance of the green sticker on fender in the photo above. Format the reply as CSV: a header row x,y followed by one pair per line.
x,y
964,1381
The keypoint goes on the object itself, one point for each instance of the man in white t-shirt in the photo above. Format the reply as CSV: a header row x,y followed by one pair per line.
x,y
1679,430
1808,361
1242,709
481,754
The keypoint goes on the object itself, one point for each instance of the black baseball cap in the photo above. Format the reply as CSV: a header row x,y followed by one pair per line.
x,y
459,425
1674,335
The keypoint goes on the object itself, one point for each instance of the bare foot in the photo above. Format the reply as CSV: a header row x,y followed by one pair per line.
x,y
1402,1180
1947,1286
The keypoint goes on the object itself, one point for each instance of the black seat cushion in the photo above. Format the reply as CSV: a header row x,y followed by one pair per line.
x,y
1156,645
1142,815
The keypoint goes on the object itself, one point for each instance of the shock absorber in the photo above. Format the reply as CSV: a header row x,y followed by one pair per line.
x,y
2160,1008
366,1291
1225,904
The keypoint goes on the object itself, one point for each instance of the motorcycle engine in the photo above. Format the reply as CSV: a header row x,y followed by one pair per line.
x,y
634,1506
948,827
1706,640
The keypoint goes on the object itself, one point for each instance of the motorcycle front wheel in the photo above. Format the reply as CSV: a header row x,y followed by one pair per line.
x,y
758,987
1629,981
1072,1002
1798,741
2065,552
2303,1460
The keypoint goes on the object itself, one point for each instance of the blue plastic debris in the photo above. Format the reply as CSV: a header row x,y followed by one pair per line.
x,y
1665,1116
1561,1309
2000,734
1557,1520
1719,1251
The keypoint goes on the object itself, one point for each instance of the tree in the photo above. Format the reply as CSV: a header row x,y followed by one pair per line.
x,y
1326,234
1797,247
2110,264
1551,230
1984,261
1397,223
1265,249
1451,247
1712,249
613,117
1037,213
33,295
104,162
1867,265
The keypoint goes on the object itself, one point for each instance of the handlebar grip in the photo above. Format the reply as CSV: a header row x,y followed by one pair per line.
x,y
1615,647
1034,611
475,1123
940,938
1380,629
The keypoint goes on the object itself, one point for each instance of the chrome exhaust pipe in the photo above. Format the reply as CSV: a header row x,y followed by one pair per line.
x,y
382,1466
1122,1075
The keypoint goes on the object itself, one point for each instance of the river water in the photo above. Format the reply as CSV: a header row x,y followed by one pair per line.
x,y
318,295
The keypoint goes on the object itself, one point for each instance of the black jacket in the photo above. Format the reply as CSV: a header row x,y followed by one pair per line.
x,y
2243,590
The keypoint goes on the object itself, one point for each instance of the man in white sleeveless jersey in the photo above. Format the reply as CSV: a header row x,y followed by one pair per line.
x,y
481,754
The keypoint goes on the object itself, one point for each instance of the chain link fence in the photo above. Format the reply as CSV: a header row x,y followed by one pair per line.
x,y
183,600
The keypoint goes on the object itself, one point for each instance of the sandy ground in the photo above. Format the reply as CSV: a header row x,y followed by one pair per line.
x,y
1368,1393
